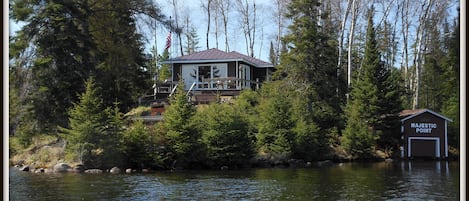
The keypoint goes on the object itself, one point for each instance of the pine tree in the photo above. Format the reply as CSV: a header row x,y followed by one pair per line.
x,y
451,85
272,55
61,59
136,145
275,127
164,72
375,97
310,143
71,40
225,133
183,138
111,140
357,139
309,65
192,41
87,124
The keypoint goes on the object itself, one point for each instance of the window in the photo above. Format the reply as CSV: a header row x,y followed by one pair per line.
x,y
245,76
203,75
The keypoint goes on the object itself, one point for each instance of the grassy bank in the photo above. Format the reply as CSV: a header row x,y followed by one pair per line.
x,y
44,151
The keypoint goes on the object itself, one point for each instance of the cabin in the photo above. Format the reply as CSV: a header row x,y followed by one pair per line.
x,y
209,76
425,134
213,73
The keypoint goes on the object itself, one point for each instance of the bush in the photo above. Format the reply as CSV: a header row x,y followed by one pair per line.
x,y
225,134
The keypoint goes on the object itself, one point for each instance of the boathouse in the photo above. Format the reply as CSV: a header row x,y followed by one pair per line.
x,y
425,134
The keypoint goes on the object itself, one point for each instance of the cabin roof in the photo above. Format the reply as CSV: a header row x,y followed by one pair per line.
x,y
216,55
409,114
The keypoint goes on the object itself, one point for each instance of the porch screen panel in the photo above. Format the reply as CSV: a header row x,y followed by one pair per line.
x,y
219,71
189,74
204,77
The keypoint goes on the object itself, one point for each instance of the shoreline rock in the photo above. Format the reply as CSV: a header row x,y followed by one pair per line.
x,y
115,170
62,167
94,171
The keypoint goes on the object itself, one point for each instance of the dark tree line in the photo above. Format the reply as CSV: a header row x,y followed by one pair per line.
x,y
62,44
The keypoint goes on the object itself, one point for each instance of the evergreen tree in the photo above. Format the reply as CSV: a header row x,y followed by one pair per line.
x,y
225,133
275,129
183,138
431,92
309,66
111,140
62,59
272,55
137,145
87,125
70,40
246,105
192,41
119,48
374,97
21,123
357,139
310,143
451,85
164,72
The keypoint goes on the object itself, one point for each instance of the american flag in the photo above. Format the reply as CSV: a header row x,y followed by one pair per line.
x,y
168,41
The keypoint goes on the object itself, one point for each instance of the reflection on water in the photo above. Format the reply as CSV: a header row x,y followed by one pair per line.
x,y
403,180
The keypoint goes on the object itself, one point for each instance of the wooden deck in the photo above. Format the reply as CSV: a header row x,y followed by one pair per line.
x,y
149,119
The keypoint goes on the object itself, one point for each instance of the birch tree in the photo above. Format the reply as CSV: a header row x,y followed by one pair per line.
x,y
418,50
206,5
355,10
216,20
280,20
224,7
341,35
248,18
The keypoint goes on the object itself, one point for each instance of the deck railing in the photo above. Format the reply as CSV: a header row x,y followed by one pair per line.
x,y
164,89
227,83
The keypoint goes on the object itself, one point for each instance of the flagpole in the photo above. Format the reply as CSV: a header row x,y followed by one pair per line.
x,y
170,50
155,77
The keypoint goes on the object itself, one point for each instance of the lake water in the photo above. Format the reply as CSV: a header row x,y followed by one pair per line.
x,y
425,180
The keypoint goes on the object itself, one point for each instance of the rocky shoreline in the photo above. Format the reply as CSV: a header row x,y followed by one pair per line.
x,y
66,168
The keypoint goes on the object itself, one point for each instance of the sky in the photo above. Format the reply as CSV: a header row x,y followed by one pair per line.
x,y
265,31
198,19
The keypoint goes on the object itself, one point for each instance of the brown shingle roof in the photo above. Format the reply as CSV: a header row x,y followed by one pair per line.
x,y
216,55
405,113
408,114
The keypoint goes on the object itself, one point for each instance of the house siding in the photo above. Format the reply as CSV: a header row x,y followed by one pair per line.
x,y
176,71
231,69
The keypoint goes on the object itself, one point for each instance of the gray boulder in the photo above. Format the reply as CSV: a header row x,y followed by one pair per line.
x,y
24,168
40,170
61,167
94,171
115,170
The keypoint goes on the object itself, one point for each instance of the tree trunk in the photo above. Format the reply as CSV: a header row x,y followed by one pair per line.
x,y
418,61
350,42
207,8
405,36
341,35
